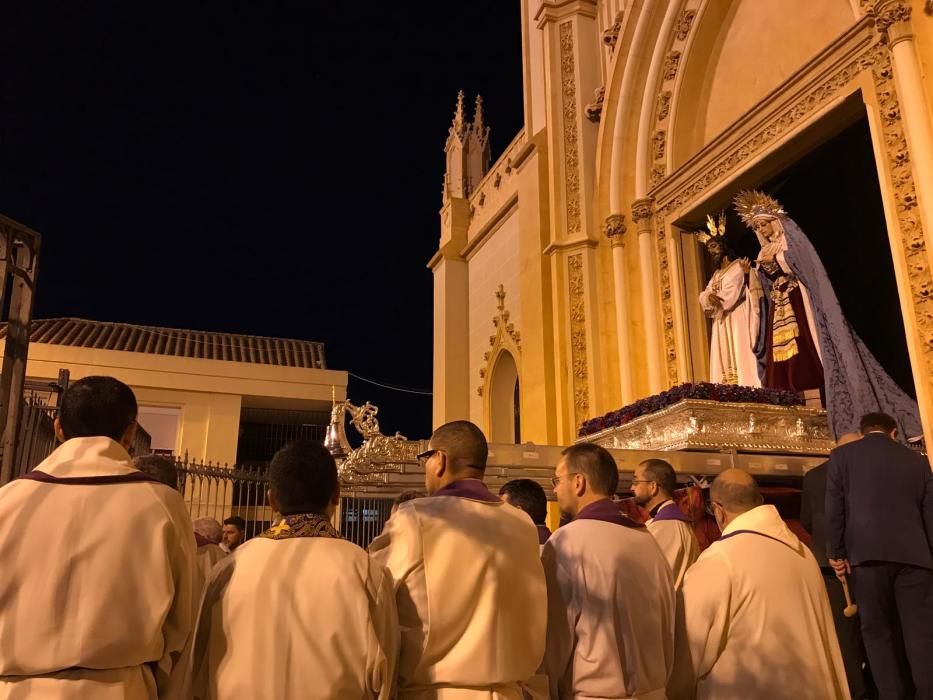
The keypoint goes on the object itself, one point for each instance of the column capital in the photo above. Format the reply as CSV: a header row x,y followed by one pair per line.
x,y
615,228
642,213
892,18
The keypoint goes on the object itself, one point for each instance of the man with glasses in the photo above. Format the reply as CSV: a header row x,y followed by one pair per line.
x,y
470,589
653,487
610,596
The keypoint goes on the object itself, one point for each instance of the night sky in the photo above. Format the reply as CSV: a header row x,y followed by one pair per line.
x,y
271,168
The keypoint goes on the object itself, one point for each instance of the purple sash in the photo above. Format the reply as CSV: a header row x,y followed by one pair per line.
x,y
131,478
468,488
672,512
608,512
543,534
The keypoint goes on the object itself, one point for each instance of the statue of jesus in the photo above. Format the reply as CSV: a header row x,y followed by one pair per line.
x,y
732,300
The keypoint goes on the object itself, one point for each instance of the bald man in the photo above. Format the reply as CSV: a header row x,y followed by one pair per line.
x,y
813,518
753,618
468,580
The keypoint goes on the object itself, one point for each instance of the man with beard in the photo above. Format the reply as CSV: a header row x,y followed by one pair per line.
x,y
732,300
653,487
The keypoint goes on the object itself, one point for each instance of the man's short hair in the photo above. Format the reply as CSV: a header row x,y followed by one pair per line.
x,y
97,407
407,496
464,444
528,495
162,468
209,529
237,522
661,473
303,478
596,464
877,421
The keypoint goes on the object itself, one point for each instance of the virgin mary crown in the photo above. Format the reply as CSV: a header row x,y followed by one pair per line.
x,y
750,204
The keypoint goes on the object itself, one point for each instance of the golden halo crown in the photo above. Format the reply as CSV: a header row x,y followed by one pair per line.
x,y
715,229
750,204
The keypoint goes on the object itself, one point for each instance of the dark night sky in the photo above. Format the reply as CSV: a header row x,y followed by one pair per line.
x,y
255,167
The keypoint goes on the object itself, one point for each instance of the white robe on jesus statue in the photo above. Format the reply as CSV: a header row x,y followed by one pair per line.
x,y
297,612
734,332
610,609
471,597
754,619
98,582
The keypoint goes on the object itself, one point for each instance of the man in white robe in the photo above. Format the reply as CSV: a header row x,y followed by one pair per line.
x,y
468,580
731,299
298,612
653,487
753,618
610,594
98,581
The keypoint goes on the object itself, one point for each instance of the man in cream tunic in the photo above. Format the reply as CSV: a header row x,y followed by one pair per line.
x,y
610,595
92,608
653,487
754,619
298,612
468,580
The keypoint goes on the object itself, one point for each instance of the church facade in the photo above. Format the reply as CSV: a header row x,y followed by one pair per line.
x,y
566,277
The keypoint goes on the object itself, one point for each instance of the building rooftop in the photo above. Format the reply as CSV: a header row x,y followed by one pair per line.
x,y
128,337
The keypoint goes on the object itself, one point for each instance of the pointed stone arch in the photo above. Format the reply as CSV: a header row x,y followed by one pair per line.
x,y
500,375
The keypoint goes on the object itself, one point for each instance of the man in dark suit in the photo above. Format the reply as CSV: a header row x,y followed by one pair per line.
x,y
813,518
879,529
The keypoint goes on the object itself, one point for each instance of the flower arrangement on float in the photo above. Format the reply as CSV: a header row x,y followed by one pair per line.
x,y
707,391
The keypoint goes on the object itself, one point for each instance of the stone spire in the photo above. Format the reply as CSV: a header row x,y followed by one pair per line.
x,y
467,151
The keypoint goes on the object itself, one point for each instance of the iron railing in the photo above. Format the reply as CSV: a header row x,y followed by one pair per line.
x,y
219,492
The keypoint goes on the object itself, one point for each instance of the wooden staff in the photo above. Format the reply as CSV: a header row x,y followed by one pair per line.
x,y
851,608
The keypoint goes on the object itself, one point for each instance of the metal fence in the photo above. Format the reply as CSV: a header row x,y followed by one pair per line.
x,y
219,492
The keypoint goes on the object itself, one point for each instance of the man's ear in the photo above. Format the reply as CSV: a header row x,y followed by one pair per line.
x,y
441,465
580,484
129,436
58,430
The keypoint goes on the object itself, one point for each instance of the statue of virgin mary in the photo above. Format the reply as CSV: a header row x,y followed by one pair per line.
x,y
807,343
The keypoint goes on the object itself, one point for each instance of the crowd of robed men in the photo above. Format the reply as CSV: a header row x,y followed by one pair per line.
x,y
465,595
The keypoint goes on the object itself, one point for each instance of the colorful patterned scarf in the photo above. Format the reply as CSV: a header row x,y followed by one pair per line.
x,y
302,525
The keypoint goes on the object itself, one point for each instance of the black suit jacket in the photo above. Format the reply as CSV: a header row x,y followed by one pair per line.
x,y
879,503
813,511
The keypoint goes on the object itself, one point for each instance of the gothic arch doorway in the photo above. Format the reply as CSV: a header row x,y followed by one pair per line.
x,y
504,402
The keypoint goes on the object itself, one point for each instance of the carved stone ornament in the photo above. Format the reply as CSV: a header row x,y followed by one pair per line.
x,y
615,226
658,142
575,284
569,104
664,105
671,64
594,110
891,13
611,35
642,209
684,22
928,7
505,335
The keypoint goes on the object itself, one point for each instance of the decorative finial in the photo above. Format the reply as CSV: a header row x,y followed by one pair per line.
x,y
751,204
500,295
459,124
478,114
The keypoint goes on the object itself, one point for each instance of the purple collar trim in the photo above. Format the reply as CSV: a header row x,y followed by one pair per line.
x,y
543,534
608,512
753,532
473,489
672,512
131,478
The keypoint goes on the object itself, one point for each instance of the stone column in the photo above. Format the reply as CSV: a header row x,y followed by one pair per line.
x,y
615,230
893,20
643,216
